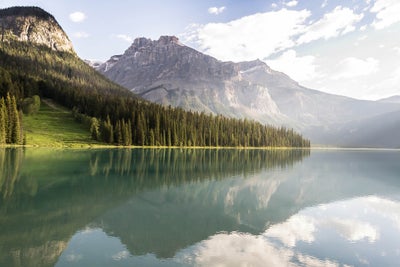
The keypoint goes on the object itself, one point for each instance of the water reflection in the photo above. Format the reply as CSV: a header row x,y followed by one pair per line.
x,y
10,163
357,232
49,195
200,208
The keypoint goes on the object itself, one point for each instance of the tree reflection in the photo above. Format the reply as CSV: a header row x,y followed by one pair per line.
x,y
10,163
172,166
48,195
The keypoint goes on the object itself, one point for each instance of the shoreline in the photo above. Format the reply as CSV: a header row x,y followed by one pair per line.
x,y
90,146
100,146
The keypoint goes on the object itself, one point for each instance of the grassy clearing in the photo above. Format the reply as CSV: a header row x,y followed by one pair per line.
x,y
54,126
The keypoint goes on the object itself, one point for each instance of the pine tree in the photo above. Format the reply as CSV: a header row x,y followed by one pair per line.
x,y
10,119
16,136
3,121
95,128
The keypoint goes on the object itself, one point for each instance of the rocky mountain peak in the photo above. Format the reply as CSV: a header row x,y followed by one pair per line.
x,y
142,44
33,25
165,40
164,59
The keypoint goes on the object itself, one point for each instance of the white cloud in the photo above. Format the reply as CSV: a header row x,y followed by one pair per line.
x,y
351,219
352,67
310,261
74,257
387,86
274,5
324,4
338,22
297,228
77,16
388,208
240,250
387,13
298,68
354,230
125,37
81,35
251,37
292,3
216,10
121,255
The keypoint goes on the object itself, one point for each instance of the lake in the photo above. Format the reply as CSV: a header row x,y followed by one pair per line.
x,y
187,207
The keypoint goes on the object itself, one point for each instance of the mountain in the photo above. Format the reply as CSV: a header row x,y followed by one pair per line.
x,y
37,58
94,63
377,131
392,99
167,72
33,25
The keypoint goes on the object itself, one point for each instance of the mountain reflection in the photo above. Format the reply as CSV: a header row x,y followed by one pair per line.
x,y
48,195
181,215
163,207
358,232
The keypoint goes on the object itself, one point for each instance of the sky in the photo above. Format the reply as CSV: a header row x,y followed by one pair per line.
x,y
345,47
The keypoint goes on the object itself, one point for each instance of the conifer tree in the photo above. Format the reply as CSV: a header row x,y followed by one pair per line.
x,y
3,121
10,120
95,128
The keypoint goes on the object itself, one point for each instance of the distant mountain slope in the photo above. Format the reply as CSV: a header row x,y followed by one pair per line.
x,y
378,131
392,99
167,72
36,58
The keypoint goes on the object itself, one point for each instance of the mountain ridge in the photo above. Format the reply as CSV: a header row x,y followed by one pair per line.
x,y
167,72
33,25
34,62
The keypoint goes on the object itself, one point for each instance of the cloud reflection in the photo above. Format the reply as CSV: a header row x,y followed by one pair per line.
x,y
354,230
297,228
121,255
74,257
353,226
237,249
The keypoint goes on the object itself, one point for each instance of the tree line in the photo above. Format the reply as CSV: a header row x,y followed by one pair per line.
x,y
116,116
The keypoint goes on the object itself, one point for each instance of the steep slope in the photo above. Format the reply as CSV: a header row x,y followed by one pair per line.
x,y
167,72
33,25
30,66
37,57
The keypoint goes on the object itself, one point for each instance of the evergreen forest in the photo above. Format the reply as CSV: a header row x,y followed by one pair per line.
x,y
112,113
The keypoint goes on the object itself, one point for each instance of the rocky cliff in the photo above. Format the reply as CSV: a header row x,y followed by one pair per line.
x,y
167,72
33,25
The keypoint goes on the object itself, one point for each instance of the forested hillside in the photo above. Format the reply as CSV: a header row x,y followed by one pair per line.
x,y
112,113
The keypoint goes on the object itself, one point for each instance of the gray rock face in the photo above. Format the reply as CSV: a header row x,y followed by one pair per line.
x,y
33,25
167,72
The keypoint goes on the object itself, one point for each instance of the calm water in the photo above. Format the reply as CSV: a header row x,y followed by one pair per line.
x,y
199,208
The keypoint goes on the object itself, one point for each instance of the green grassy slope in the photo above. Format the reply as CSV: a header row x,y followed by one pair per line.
x,y
54,126
28,69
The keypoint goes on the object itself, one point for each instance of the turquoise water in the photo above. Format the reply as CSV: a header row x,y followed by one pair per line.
x,y
161,207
